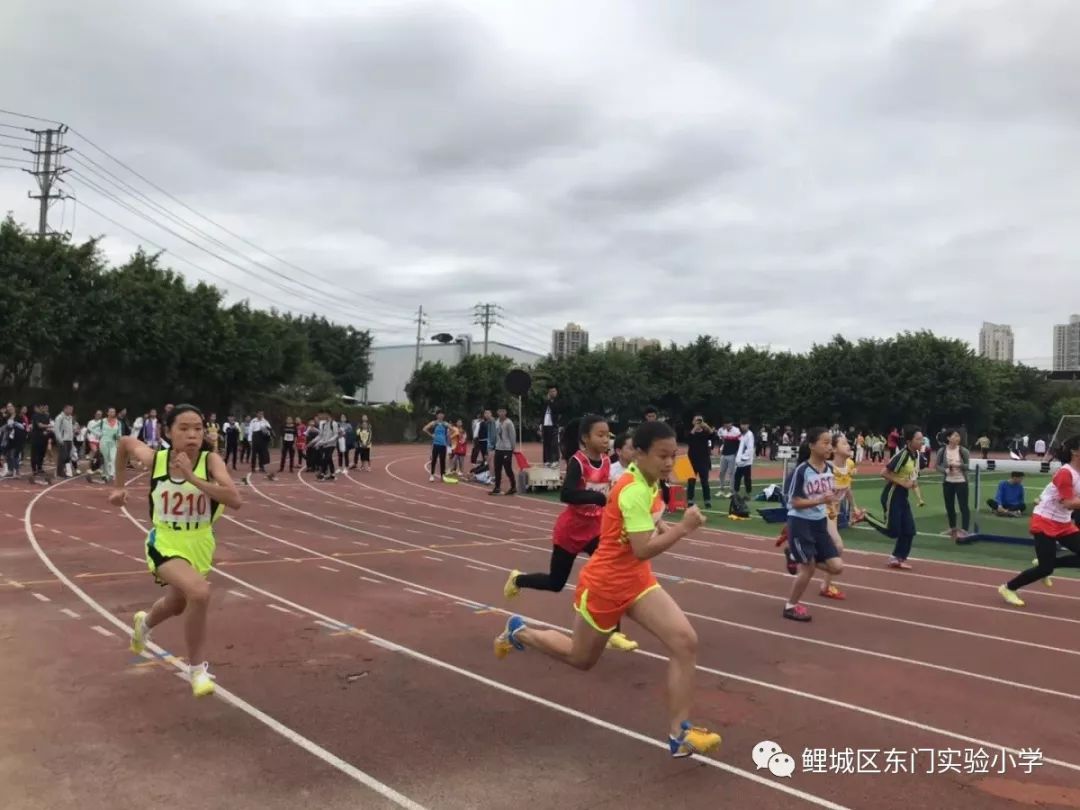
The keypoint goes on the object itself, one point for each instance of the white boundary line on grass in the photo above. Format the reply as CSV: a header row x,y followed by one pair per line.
x,y
710,670
294,737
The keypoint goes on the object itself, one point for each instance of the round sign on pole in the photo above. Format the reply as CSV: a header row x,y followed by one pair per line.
x,y
518,382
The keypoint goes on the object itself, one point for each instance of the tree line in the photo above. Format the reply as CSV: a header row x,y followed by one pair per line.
x,y
137,335
917,378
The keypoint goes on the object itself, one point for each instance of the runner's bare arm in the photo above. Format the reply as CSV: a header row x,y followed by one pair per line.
x,y
647,545
220,487
127,448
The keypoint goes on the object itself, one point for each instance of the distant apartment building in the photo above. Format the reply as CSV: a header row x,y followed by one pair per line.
x,y
632,345
996,342
1067,345
570,340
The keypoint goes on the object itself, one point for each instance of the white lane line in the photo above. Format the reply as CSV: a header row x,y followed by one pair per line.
x,y
221,692
358,543
588,718
299,531
95,545
328,568
117,551
239,594
97,628
55,531
40,597
712,671
259,551
414,590
470,605
414,531
330,625
15,584
435,559
369,579
280,609
478,568
69,613
447,537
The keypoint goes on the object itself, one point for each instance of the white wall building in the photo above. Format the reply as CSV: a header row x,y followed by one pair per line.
x,y
392,366
996,342
1067,345
568,341
632,345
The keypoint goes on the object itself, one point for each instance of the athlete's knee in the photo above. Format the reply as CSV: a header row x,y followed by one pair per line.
x,y
835,566
198,593
683,643
582,661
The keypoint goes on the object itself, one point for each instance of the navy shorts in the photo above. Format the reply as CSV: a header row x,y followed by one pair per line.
x,y
809,540
901,523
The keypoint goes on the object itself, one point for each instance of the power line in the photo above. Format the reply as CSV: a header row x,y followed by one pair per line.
x,y
31,117
16,138
331,300
108,195
48,170
222,227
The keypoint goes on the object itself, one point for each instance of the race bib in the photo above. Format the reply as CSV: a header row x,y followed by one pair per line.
x,y
181,505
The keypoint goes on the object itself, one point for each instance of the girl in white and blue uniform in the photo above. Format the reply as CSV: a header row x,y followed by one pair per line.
x,y
810,491
439,431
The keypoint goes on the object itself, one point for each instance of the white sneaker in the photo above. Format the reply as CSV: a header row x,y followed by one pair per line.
x,y
431,479
140,633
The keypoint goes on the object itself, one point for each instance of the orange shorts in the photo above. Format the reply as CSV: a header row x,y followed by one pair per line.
x,y
603,612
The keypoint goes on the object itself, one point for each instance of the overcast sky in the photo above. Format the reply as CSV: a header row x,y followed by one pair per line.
x,y
765,172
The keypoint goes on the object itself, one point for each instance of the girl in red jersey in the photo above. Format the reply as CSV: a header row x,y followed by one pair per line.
x,y
1052,524
577,529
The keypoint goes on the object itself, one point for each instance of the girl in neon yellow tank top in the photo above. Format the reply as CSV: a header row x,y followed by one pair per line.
x,y
189,488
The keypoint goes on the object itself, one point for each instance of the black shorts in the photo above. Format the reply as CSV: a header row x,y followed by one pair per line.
x,y
900,520
158,560
365,454
809,540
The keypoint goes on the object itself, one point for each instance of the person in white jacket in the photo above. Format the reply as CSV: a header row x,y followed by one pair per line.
x,y
744,459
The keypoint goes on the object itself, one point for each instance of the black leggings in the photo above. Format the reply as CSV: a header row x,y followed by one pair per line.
x,y
562,562
743,474
1046,552
288,450
702,467
438,453
956,491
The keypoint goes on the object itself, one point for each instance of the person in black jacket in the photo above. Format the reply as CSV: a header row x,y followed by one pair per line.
x,y
699,451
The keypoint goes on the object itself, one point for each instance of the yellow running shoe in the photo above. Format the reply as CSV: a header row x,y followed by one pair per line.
x,y
202,682
1010,596
140,633
693,740
619,641
510,589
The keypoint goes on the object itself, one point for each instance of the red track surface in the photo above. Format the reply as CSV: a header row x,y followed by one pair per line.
x,y
403,687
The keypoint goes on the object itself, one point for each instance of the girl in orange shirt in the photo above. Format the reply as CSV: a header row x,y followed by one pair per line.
x,y
618,581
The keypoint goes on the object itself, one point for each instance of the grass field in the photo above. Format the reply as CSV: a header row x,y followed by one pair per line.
x,y
932,541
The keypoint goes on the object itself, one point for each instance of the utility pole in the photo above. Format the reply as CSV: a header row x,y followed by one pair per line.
x,y
47,170
486,316
421,321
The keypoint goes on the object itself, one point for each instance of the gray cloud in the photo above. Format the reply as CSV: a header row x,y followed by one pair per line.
x,y
742,169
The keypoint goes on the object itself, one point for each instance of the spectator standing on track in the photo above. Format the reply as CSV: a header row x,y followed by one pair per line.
x,y
111,433
505,444
492,437
325,443
261,433
39,442
150,432
1040,447
729,436
15,431
479,436
213,432
301,442
439,431
982,444
364,438
231,430
245,439
64,431
744,459
288,444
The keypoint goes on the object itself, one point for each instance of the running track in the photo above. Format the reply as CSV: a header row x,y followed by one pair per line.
x,y
351,639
